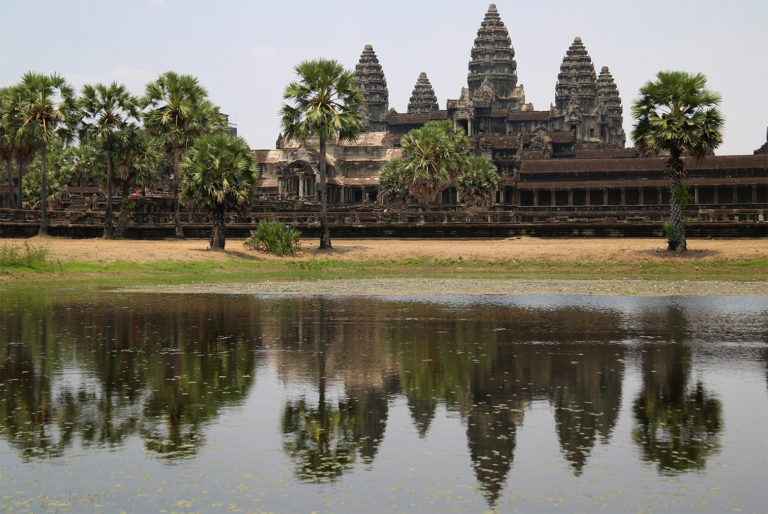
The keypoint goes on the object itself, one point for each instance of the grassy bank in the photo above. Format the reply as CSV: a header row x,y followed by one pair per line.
x,y
34,265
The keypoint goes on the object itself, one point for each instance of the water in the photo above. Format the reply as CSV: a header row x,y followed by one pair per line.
x,y
117,401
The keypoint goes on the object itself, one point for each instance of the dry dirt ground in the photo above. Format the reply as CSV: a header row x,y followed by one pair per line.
x,y
522,249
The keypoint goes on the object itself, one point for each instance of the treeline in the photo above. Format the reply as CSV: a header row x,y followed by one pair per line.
x,y
50,137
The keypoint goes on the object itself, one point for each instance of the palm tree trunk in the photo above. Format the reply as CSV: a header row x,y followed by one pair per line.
x,y
43,190
176,183
108,211
122,219
677,241
218,236
11,194
20,201
325,233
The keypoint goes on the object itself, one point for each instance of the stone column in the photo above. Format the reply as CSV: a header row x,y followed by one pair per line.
x,y
552,198
623,196
588,200
605,196
570,197
535,197
301,186
754,193
735,194
696,195
641,198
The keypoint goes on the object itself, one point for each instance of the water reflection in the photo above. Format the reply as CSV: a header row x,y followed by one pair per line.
x,y
97,372
678,423
106,371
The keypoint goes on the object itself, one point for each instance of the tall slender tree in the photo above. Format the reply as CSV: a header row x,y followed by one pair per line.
x,y
323,103
137,164
220,174
46,106
6,143
677,115
176,113
106,111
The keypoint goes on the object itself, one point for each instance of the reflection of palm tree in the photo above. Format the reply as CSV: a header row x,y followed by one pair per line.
x,y
676,428
321,439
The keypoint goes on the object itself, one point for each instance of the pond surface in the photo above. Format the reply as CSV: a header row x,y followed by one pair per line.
x,y
120,401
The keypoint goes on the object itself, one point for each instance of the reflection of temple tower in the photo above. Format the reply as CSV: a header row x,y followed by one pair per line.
x,y
373,86
587,398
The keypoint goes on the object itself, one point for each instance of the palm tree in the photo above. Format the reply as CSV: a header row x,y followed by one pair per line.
x,y
477,182
220,174
177,114
137,162
433,155
6,143
19,142
393,191
323,103
46,108
105,111
676,115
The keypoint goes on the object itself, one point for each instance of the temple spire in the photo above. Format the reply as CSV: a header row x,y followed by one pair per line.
x,y
576,82
493,62
423,99
373,86
610,102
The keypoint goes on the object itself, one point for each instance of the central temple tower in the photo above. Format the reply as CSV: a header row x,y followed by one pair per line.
x,y
493,69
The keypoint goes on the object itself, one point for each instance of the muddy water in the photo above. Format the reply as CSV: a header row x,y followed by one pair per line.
x,y
122,401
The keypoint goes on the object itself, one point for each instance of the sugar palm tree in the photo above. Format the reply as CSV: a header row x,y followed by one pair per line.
x,y
137,164
220,175
20,142
677,115
177,113
46,106
6,143
433,155
105,111
393,190
322,104
477,182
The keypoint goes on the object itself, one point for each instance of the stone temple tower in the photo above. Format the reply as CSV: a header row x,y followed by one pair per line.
x,y
493,69
609,105
373,86
576,82
423,99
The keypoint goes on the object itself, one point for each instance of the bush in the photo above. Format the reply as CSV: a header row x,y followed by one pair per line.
x,y
26,256
275,238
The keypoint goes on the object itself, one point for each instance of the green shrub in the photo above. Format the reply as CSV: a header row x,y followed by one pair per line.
x,y
26,256
275,238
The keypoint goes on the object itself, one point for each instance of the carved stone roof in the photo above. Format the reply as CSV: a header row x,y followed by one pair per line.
x,y
528,116
372,84
493,58
423,99
576,82
608,94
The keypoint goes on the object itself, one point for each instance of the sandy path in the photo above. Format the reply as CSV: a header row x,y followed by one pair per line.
x,y
525,249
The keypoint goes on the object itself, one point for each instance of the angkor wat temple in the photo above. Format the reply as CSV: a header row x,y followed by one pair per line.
x,y
570,155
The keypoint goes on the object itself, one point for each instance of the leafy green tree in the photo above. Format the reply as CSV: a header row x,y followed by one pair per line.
x,y
106,111
137,164
677,115
46,108
477,182
322,103
177,113
433,156
393,191
220,174
82,161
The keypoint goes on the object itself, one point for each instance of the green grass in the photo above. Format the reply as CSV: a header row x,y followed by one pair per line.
x,y
32,265
25,258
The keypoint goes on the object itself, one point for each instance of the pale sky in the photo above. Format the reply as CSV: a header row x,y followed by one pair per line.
x,y
244,52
